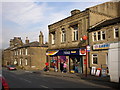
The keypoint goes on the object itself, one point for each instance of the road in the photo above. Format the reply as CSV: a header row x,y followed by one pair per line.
x,y
26,79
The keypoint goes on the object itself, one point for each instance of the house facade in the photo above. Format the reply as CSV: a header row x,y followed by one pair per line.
x,y
8,54
31,55
101,37
65,36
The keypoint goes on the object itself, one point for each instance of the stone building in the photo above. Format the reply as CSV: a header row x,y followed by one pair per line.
x,y
65,36
8,54
100,38
31,55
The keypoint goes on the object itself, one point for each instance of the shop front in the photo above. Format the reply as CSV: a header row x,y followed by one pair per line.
x,y
71,57
99,58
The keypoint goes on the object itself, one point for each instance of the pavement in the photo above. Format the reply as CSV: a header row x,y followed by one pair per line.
x,y
90,78
75,75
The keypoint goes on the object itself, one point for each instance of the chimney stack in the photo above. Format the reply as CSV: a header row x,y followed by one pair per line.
x,y
26,41
41,41
76,11
11,42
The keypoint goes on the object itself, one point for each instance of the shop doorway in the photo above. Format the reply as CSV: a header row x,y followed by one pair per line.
x,y
76,64
62,60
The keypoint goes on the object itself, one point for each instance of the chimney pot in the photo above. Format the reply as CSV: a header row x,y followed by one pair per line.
x,y
75,11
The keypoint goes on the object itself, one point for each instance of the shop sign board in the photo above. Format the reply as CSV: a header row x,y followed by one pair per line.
x,y
104,72
73,51
101,46
98,71
88,48
82,51
66,52
93,70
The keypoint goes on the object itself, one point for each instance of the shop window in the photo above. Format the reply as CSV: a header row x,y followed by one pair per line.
x,y
103,35
116,32
53,37
63,35
99,35
75,32
94,36
94,59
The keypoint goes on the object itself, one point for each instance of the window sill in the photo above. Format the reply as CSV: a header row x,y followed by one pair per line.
x,y
62,42
53,44
75,41
94,64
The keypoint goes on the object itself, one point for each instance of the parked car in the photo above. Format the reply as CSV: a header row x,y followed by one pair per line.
x,y
4,84
11,67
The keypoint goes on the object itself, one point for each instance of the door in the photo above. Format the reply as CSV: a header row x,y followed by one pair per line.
x,y
80,67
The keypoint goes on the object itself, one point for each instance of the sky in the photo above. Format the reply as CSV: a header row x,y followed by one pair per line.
x,y
26,18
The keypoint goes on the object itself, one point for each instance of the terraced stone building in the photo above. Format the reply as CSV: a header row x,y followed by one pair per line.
x,y
65,36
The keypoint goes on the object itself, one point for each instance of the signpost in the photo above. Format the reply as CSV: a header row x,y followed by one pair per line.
x,y
87,48
86,60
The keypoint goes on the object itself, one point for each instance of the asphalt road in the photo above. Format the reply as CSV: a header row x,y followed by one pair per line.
x,y
26,79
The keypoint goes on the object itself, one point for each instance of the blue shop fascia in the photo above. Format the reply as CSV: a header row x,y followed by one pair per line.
x,y
72,57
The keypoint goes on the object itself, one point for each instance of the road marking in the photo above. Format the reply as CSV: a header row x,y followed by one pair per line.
x,y
43,86
25,80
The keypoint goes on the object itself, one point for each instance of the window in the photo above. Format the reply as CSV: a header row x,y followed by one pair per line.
x,y
20,51
26,51
20,61
99,36
63,35
116,32
26,62
75,32
15,52
53,37
94,59
94,36
102,35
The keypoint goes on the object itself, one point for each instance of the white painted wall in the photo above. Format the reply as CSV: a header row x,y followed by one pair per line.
x,y
114,62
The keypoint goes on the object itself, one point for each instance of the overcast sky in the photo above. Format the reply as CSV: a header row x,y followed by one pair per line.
x,y
27,18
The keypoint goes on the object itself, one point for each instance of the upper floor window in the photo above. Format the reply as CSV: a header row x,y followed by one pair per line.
x,y
103,35
63,35
116,32
26,51
94,36
20,51
75,32
99,35
53,37
15,52
94,59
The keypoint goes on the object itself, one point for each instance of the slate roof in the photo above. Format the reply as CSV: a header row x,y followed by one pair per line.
x,y
105,24
33,44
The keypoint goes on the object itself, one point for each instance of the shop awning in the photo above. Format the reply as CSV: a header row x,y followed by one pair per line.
x,y
52,52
